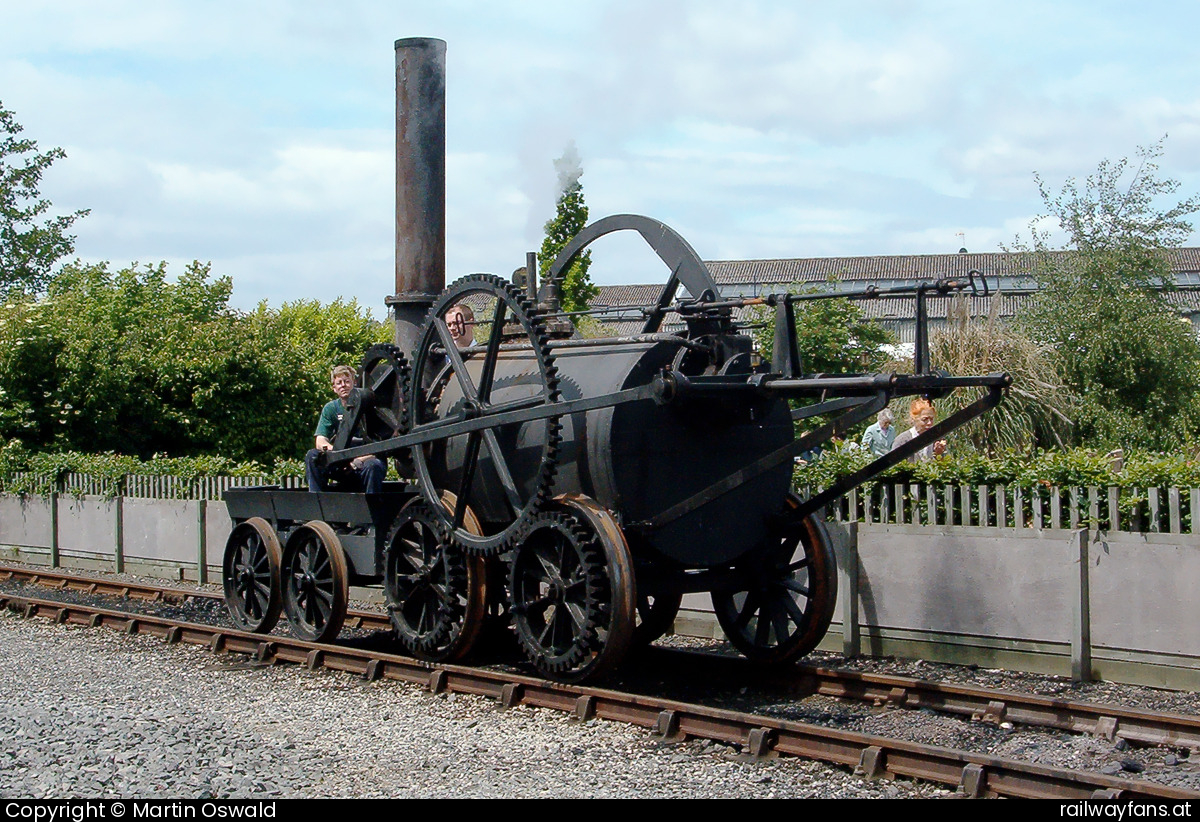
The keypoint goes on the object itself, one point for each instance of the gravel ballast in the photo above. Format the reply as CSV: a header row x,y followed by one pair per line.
x,y
93,713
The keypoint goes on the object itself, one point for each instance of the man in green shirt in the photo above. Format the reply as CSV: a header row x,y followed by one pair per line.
x,y
363,473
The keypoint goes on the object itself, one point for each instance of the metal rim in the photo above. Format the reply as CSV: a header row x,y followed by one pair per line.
x,y
523,497
571,595
315,582
436,594
786,608
250,573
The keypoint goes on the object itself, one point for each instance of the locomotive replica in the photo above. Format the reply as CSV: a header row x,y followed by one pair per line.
x,y
575,488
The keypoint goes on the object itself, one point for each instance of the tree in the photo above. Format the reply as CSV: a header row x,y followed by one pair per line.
x,y
30,246
133,363
1132,361
832,336
570,217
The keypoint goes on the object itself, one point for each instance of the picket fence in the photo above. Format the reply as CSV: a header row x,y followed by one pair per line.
x,y
1139,510
1113,508
149,486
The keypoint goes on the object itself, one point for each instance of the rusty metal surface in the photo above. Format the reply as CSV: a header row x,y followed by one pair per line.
x,y
975,774
420,182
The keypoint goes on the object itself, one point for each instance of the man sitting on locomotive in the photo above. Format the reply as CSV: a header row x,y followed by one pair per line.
x,y
363,473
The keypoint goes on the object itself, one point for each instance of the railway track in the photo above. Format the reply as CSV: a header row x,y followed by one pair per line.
x,y
1111,722
759,736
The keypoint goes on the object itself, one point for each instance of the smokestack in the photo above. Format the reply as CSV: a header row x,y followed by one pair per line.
x,y
420,183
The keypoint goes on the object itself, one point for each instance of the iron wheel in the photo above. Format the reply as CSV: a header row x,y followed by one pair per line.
x,y
786,608
571,595
250,573
436,594
316,587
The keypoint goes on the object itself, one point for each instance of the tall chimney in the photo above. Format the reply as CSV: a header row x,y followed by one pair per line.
x,y
420,183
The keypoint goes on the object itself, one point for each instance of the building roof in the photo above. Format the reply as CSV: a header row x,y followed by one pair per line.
x,y
742,277
899,267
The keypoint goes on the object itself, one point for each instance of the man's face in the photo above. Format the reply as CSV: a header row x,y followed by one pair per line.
x,y
343,384
457,323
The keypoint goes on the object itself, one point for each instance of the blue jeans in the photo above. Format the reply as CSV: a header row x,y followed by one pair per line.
x,y
367,477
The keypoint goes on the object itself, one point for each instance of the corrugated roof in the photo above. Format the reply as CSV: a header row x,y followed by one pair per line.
x,y
895,267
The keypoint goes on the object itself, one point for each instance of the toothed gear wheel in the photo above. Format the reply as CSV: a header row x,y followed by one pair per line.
x,y
434,593
450,385
384,371
559,596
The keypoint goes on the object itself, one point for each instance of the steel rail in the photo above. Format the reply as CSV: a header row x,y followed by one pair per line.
x,y
976,775
977,703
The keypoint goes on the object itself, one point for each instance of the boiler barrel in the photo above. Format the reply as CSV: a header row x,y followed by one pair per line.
x,y
638,459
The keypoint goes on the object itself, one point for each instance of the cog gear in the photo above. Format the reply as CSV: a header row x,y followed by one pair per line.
x,y
435,592
449,384
559,595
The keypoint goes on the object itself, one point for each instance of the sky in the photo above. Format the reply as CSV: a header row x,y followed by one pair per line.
x,y
259,136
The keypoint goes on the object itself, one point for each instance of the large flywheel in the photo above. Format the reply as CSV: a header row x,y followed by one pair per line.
x,y
504,471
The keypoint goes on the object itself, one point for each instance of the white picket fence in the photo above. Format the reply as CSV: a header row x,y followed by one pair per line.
x,y
1153,510
148,486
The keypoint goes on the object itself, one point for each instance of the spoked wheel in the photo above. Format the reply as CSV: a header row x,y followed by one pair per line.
x,y
316,585
450,385
788,604
571,594
437,595
250,572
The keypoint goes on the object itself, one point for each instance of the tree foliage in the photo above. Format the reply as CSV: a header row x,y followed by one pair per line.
x,y
570,217
133,363
1038,409
1132,361
31,243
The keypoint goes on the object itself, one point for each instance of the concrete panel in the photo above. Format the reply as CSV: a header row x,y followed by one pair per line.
x,y
161,529
217,526
1144,592
25,521
86,526
986,581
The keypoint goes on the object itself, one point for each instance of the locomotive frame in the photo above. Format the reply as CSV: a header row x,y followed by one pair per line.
x,y
526,502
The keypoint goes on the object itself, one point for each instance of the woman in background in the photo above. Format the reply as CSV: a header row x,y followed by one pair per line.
x,y
922,415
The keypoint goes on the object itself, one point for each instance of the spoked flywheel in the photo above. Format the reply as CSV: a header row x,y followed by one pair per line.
x,y
250,572
571,594
785,604
504,470
436,594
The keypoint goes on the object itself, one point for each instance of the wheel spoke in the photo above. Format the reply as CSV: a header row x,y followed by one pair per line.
x,y
470,461
500,464
749,607
490,359
795,585
457,365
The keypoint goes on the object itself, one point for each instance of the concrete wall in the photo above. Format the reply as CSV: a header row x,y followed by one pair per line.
x,y
1116,606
